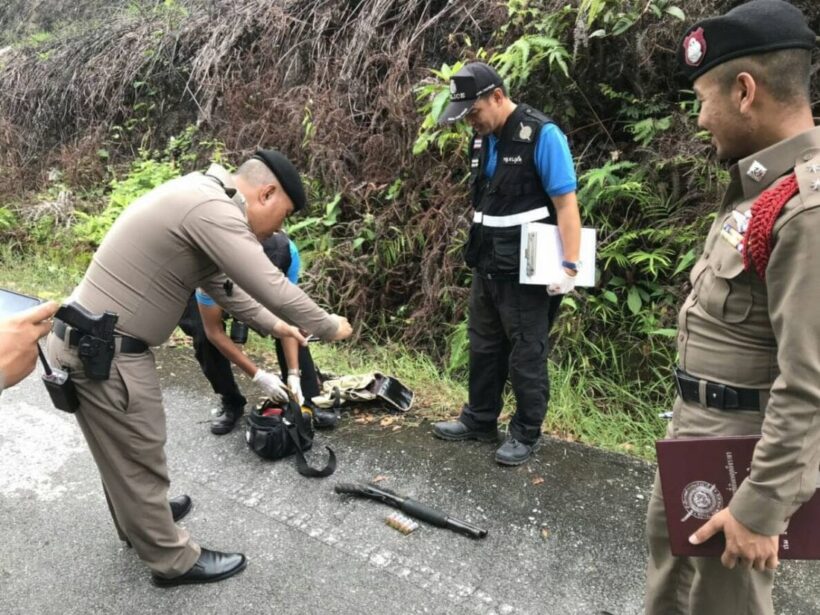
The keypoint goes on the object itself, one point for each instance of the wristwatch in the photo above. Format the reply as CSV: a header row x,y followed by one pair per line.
x,y
572,266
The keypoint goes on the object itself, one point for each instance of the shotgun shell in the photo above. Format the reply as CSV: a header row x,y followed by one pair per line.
x,y
403,524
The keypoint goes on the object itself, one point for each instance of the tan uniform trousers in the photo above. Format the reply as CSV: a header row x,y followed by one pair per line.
x,y
123,421
701,585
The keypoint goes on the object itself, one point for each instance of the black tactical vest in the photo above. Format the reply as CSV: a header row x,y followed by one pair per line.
x,y
515,188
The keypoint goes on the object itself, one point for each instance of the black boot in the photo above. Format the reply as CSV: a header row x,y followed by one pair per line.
x,y
456,430
225,422
514,452
210,567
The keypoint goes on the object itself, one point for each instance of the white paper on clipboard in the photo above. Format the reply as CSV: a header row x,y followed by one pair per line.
x,y
541,255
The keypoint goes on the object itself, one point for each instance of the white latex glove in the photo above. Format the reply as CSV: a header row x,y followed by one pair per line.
x,y
272,385
295,386
566,284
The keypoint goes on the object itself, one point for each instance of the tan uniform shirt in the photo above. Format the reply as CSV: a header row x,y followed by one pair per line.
x,y
184,234
738,330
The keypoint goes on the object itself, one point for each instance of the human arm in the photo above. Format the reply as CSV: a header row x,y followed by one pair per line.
x,y
785,464
226,239
18,342
569,227
556,169
291,351
214,331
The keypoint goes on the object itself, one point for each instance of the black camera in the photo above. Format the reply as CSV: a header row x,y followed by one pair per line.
x,y
239,332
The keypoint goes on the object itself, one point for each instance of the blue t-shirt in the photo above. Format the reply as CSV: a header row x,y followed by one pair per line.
x,y
552,160
292,274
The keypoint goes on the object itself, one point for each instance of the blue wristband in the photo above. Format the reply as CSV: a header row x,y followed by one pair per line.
x,y
570,265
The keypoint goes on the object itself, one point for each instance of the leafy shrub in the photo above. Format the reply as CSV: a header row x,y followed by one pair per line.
x,y
145,175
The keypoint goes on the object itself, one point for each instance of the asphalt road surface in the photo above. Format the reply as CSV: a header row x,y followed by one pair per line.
x,y
565,530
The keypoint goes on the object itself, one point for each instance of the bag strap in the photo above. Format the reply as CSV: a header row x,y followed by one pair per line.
x,y
296,430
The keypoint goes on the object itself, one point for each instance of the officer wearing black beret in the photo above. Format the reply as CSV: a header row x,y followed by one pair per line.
x,y
191,232
749,329
521,171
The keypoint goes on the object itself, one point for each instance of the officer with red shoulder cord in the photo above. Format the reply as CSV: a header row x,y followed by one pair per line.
x,y
749,329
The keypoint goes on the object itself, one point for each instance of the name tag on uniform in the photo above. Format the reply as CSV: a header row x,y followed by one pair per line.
x,y
734,228
513,160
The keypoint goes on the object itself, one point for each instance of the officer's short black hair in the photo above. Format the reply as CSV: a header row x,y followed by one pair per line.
x,y
785,74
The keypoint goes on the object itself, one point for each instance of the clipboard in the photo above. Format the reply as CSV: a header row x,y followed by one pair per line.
x,y
542,253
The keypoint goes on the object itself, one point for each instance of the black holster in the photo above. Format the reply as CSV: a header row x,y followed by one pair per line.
x,y
95,346
96,355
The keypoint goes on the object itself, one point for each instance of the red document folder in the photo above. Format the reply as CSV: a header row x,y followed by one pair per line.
x,y
699,477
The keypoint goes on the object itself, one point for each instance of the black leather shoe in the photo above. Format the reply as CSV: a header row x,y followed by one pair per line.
x,y
514,452
211,566
180,506
225,422
456,430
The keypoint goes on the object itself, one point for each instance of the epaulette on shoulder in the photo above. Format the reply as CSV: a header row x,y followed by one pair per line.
x,y
537,115
808,180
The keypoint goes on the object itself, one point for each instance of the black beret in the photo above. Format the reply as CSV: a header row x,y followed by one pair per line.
x,y
755,27
287,175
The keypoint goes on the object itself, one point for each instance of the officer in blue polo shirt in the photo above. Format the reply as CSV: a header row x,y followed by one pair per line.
x,y
204,321
521,171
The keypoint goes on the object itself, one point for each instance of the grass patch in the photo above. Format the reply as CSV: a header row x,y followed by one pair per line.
x,y
584,406
39,275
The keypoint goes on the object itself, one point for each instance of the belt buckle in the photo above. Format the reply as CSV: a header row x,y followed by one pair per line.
x,y
715,395
724,397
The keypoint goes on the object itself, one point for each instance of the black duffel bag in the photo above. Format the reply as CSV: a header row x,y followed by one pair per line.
x,y
280,435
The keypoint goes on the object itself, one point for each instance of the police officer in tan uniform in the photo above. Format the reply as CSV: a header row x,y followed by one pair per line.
x,y
749,329
195,231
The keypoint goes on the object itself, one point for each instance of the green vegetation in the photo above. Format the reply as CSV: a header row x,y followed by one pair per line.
x,y
119,96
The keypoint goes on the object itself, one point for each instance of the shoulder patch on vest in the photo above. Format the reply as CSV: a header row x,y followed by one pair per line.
x,y
526,132
807,171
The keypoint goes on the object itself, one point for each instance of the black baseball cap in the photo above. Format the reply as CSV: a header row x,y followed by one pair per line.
x,y
758,26
287,175
466,86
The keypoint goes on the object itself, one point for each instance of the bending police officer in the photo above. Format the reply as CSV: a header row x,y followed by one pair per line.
x,y
194,231
521,171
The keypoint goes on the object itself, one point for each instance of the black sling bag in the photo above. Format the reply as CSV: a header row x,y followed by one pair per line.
x,y
281,435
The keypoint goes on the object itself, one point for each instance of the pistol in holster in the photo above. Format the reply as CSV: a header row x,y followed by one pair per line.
x,y
95,346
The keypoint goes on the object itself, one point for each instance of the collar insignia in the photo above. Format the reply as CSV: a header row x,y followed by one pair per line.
x,y
757,171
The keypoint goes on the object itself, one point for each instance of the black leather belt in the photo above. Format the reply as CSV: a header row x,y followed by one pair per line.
x,y
719,396
128,345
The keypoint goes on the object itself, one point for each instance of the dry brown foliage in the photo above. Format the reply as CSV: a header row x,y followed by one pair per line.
x,y
246,71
